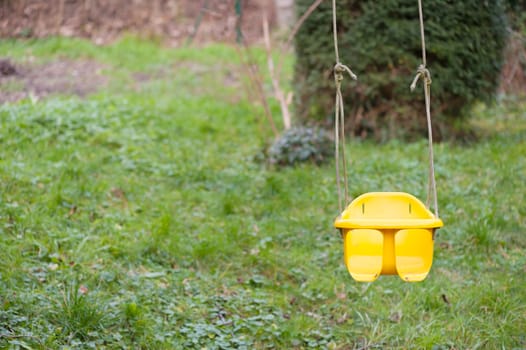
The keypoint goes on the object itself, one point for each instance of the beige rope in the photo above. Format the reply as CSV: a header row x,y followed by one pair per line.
x,y
337,149
339,115
424,74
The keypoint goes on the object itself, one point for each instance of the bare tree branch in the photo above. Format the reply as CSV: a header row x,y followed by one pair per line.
x,y
255,78
278,93
295,30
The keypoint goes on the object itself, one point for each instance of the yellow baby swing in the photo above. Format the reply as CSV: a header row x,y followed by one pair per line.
x,y
385,233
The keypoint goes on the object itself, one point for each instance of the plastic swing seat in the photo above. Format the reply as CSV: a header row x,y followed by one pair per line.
x,y
387,233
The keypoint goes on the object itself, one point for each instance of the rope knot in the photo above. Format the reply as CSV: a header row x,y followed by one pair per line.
x,y
340,69
422,72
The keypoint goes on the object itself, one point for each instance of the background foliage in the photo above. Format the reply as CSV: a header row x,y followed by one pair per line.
x,y
134,218
380,41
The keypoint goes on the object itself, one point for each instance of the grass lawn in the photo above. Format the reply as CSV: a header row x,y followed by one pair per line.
x,y
138,218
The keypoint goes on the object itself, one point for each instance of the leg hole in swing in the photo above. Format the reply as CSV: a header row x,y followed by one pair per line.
x,y
413,253
363,253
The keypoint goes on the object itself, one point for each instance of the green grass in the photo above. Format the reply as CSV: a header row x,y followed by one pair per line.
x,y
137,218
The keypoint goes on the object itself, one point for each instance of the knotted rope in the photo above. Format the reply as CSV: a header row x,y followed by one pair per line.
x,y
339,116
424,74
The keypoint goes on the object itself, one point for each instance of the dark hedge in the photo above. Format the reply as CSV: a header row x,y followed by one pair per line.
x,y
380,41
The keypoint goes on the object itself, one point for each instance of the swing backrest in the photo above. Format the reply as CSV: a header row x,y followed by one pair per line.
x,y
387,210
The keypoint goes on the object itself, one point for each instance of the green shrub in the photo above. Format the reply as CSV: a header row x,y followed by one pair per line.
x,y
300,144
516,5
380,41
516,10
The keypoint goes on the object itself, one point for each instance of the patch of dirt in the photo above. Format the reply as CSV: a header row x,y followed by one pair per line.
x,y
174,21
69,77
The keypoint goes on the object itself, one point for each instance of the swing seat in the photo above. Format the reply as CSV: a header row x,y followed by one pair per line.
x,y
387,233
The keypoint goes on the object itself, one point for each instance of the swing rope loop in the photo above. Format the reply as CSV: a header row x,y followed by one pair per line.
x,y
424,74
339,116
421,73
340,68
